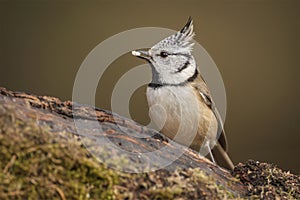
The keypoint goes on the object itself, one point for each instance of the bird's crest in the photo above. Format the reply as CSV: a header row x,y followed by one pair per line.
x,y
182,39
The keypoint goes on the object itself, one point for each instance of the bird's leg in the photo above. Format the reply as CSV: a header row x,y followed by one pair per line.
x,y
210,152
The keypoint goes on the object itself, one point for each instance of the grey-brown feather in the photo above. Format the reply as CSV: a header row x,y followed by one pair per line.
x,y
221,148
205,94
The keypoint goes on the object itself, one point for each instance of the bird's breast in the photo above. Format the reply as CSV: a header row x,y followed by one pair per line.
x,y
180,115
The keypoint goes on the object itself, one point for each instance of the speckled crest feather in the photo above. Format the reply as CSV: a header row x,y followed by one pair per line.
x,y
180,40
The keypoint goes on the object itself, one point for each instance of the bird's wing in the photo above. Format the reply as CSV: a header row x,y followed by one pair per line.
x,y
204,93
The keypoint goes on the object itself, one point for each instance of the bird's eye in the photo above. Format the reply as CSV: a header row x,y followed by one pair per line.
x,y
163,54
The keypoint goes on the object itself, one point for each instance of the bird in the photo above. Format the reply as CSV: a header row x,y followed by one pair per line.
x,y
179,99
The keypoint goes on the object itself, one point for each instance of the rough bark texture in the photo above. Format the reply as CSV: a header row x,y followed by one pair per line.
x,y
129,142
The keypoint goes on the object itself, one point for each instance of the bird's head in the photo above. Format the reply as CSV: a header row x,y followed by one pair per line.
x,y
171,58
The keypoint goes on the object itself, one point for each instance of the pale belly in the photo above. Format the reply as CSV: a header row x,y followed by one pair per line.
x,y
181,116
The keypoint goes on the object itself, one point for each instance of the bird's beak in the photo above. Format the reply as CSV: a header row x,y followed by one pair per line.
x,y
142,54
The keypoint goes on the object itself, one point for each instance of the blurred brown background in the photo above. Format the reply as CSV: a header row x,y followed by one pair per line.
x,y
254,43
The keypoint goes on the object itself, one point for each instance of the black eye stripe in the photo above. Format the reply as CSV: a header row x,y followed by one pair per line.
x,y
182,54
166,54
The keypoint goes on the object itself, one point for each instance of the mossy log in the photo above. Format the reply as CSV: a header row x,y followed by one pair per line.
x,y
40,131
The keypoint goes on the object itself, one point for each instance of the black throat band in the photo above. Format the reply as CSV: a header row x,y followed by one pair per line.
x,y
158,85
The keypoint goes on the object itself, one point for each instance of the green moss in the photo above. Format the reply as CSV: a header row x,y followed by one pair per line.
x,y
181,184
166,193
38,164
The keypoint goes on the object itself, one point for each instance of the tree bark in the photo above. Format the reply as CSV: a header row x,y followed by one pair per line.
x,y
124,135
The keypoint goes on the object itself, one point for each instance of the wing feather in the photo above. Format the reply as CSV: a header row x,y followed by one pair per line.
x,y
204,93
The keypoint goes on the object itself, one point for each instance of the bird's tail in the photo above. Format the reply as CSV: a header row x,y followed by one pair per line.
x,y
222,157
